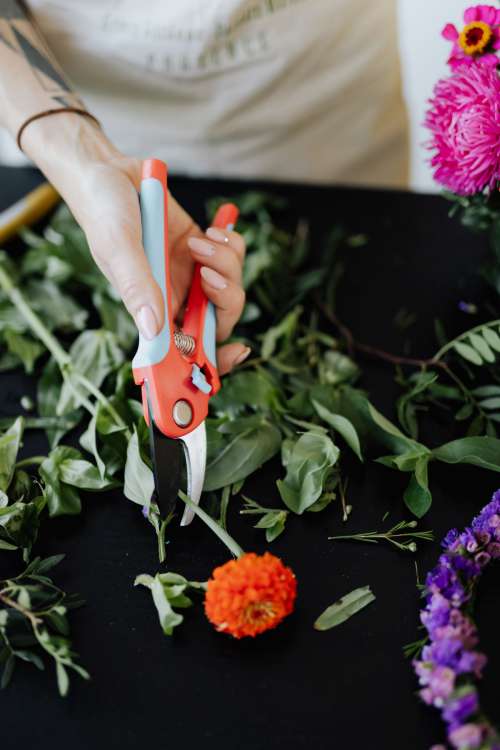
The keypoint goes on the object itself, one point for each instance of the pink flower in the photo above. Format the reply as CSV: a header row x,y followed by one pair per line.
x,y
478,40
440,684
464,120
467,736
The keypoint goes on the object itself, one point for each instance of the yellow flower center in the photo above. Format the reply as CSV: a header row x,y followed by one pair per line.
x,y
475,37
258,612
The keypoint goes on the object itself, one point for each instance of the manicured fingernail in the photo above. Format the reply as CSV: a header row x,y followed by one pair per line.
x,y
146,323
213,278
215,234
242,356
201,247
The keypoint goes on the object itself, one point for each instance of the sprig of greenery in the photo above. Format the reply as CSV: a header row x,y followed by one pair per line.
x,y
271,519
169,591
34,623
398,536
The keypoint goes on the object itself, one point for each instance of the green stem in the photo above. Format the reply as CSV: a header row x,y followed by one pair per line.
x,y
67,374
62,357
99,395
452,343
31,461
228,540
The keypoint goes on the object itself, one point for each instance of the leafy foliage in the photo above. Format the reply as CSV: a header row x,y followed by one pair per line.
x,y
34,623
295,406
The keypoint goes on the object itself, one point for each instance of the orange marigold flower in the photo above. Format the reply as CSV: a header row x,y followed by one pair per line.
x,y
247,596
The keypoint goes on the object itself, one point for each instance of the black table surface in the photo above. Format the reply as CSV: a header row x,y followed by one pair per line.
x,y
293,687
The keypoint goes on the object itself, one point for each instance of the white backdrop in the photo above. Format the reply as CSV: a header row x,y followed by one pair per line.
x,y
424,54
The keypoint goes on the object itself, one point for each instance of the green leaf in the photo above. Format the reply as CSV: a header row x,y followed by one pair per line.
x,y
487,390
344,608
82,474
62,499
116,319
308,464
10,442
244,454
8,671
49,389
57,310
94,354
7,546
417,496
478,451
482,347
491,403
243,390
468,353
138,481
168,618
284,329
19,523
492,338
23,347
88,441
62,679
48,563
372,426
342,425
465,412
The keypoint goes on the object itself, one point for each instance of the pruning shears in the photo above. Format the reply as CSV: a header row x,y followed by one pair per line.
x,y
177,370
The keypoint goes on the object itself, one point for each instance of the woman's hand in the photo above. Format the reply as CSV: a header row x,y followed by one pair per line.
x,y
100,186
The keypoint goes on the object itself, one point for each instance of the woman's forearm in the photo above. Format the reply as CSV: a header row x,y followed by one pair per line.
x,y
31,80
31,83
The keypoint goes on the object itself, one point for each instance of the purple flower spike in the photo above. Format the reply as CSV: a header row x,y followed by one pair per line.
x,y
449,662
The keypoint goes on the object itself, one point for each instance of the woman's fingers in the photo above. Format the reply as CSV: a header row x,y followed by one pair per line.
x,y
231,355
232,239
228,298
221,258
221,254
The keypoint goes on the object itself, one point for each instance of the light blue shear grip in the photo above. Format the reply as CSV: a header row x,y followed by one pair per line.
x,y
153,238
209,331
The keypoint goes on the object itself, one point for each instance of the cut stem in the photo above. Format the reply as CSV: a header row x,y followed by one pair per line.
x,y
228,540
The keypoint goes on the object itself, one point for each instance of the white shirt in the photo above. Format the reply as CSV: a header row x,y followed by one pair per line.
x,y
303,90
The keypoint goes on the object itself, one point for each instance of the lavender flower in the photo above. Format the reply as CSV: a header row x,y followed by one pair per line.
x,y
461,707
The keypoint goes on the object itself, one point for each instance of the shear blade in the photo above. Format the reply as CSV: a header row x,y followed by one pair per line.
x,y
167,458
195,452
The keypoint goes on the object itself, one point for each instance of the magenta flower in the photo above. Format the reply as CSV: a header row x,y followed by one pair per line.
x,y
464,120
478,40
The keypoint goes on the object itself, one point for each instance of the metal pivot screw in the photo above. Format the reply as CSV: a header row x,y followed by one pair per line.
x,y
182,413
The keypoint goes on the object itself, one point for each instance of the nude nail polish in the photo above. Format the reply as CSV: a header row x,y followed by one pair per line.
x,y
242,356
146,322
213,278
216,234
200,247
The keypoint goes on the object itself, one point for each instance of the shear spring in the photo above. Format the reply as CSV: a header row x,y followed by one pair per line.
x,y
184,343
